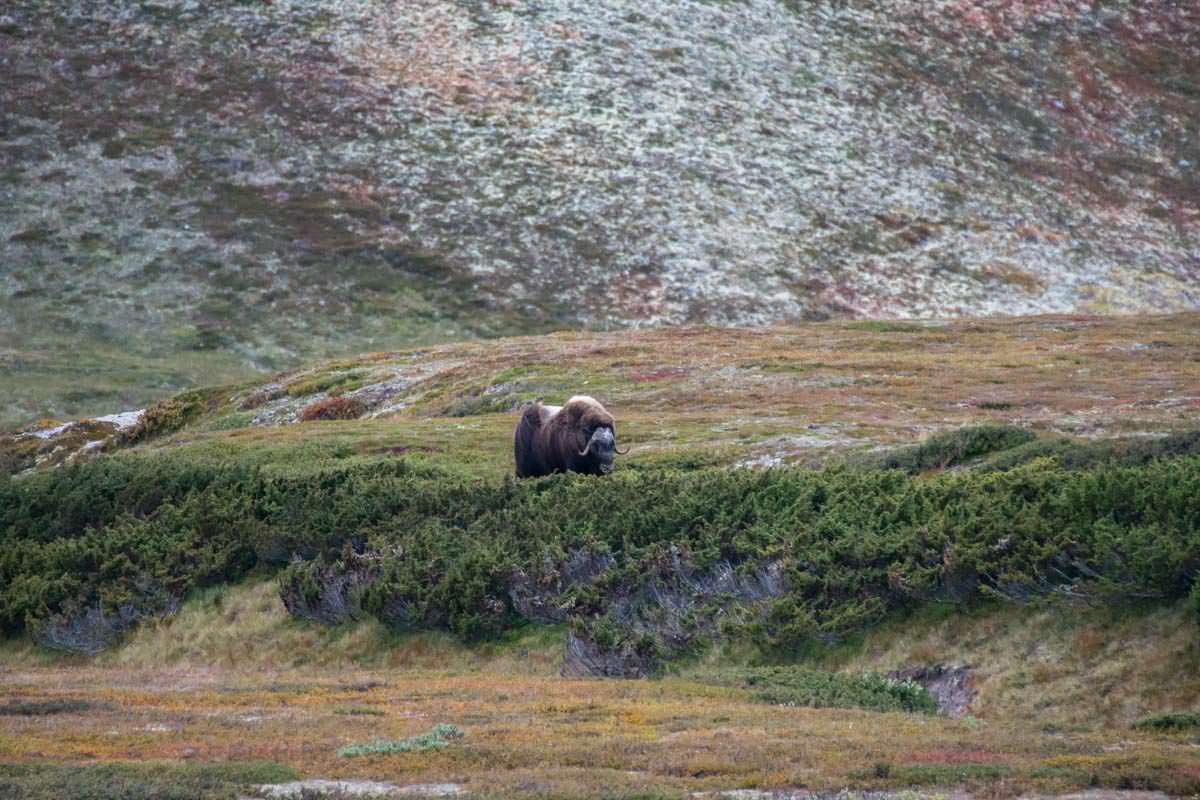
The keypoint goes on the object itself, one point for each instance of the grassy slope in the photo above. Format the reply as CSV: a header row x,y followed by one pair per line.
x,y
233,678
1059,667
793,393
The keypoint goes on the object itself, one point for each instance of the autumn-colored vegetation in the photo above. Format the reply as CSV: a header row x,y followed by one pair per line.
x,y
333,408
427,587
192,695
801,394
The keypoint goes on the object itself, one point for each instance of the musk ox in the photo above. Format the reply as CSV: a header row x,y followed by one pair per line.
x,y
576,437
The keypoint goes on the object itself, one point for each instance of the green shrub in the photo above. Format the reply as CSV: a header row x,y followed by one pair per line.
x,y
1131,452
1025,453
360,711
1169,722
951,448
436,739
1086,455
936,774
889,326
333,383
795,686
168,416
41,708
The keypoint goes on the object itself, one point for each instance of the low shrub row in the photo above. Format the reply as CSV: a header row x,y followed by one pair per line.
x,y
992,448
955,447
808,555
1181,721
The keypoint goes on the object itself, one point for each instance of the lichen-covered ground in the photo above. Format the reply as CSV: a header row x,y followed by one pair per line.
x,y
190,192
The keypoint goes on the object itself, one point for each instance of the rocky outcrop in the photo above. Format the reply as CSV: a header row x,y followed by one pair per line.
x,y
951,686
316,788
51,444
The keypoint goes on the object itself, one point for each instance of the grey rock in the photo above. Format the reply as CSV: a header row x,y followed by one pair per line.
x,y
302,790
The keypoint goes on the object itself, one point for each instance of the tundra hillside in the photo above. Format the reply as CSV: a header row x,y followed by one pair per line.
x,y
332,574
195,192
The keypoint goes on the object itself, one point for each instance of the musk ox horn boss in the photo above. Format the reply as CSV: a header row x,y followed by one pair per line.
x,y
578,436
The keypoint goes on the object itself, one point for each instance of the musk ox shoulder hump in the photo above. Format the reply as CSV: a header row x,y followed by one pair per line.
x,y
582,407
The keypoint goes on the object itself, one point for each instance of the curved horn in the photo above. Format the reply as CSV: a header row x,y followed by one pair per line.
x,y
621,452
587,449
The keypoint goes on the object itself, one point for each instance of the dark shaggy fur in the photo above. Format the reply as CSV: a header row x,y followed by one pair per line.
x,y
550,440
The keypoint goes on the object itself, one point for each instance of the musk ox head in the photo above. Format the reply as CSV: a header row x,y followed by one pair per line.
x,y
579,436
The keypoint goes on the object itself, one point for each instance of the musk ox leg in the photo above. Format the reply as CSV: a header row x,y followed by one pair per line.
x,y
529,464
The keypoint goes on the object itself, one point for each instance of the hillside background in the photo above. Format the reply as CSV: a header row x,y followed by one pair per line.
x,y
191,193
896,303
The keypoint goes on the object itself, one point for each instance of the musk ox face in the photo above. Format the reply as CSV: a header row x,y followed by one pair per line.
x,y
579,436
600,449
